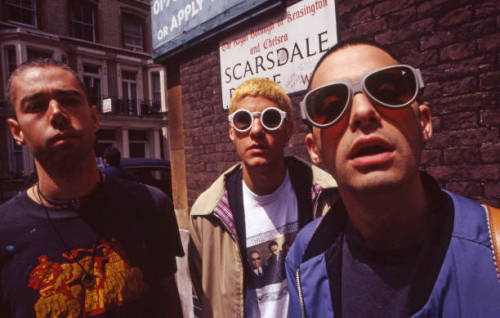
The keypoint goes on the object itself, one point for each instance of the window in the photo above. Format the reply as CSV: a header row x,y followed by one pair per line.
x,y
92,80
10,59
21,11
156,91
129,90
34,54
138,143
132,32
83,21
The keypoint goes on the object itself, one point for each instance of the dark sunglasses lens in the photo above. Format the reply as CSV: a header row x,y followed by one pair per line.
x,y
326,104
242,120
394,87
271,118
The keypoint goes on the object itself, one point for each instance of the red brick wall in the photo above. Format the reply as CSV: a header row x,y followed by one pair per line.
x,y
456,45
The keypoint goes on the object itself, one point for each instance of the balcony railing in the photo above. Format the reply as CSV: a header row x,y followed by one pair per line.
x,y
118,107
129,107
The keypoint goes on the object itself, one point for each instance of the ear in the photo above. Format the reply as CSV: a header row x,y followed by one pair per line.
x,y
95,117
313,149
232,133
15,130
425,121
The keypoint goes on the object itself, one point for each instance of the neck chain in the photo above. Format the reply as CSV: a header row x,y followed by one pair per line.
x,y
72,204
88,279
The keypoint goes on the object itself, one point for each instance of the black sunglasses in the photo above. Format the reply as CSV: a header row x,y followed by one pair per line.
x,y
394,86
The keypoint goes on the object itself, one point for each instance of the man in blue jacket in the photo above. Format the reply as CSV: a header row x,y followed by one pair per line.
x,y
394,244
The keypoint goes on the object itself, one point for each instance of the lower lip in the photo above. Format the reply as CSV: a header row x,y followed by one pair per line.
x,y
256,151
372,160
63,140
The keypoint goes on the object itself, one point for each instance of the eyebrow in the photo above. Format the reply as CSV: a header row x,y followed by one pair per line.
x,y
57,94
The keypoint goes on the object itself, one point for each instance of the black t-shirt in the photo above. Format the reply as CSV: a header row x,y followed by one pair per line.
x,y
105,259
367,282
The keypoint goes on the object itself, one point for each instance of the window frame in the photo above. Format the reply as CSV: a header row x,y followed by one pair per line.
x,y
80,5
33,10
140,21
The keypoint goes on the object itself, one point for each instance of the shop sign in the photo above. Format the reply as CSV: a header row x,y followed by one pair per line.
x,y
284,48
176,22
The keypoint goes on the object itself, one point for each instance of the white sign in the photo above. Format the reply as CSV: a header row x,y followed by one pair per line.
x,y
284,49
106,105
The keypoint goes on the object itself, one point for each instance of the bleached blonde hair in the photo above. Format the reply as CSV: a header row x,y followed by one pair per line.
x,y
265,88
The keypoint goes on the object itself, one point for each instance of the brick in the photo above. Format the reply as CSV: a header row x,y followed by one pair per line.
x,y
431,157
457,16
465,85
411,31
347,6
457,51
401,49
364,29
361,16
462,120
468,137
476,29
492,191
460,155
390,6
436,123
489,42
401,17
489,81
490,152
436,39
467,67
419,59
465,172
467,189
432,90
491,117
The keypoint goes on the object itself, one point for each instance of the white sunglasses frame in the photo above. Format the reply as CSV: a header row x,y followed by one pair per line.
x,y
261,115
360,87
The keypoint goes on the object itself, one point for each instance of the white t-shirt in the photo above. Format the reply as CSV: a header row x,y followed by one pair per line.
x,y
271,223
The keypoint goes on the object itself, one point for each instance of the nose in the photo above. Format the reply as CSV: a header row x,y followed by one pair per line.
x,y
256,129
58,116
364,115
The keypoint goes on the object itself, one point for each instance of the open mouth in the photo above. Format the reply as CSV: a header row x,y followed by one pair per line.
x,y
370,151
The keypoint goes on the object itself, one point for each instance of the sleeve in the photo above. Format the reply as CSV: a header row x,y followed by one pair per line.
x,y
194,259
164,234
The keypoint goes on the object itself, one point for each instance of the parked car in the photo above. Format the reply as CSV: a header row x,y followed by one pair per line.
x,y
155,172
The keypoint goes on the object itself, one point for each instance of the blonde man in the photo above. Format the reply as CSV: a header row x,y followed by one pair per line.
x,y
265,197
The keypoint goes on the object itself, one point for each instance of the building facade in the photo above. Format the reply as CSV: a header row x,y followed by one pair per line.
x,y
108,43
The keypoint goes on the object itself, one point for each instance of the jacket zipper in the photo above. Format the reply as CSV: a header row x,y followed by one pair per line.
x,y
488,221
301,295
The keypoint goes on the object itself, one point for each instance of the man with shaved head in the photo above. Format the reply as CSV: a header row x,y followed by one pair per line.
x,y
79,243
394,244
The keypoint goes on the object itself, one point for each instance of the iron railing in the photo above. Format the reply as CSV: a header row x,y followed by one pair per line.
x,y
130,107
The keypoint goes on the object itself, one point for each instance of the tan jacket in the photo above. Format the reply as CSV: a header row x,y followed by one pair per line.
x,y
215,264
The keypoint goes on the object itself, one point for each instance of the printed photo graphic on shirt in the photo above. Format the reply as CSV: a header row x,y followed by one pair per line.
x,y
266,257
92,282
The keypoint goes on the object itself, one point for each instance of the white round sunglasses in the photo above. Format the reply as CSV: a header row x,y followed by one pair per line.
x,y
270,118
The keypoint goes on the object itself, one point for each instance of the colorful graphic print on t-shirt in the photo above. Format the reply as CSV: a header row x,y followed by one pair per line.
x,y
91,282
